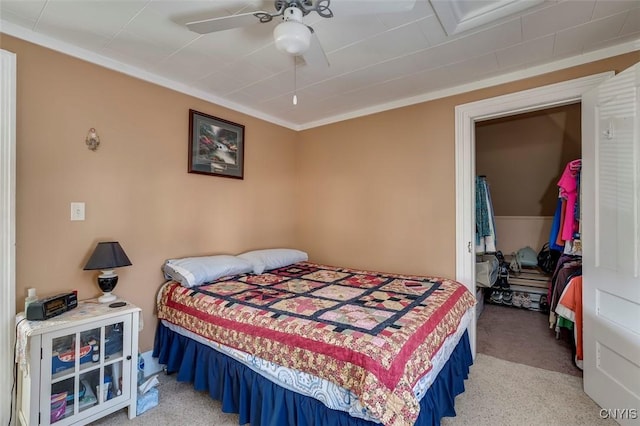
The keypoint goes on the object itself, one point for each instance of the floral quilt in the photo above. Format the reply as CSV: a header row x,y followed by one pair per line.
x,y
372,333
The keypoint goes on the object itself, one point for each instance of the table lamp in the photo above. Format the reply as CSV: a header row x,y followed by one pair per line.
x,y
106,257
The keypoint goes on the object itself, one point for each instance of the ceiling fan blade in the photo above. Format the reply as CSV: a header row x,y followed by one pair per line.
x,y
226,22
342,8
315,55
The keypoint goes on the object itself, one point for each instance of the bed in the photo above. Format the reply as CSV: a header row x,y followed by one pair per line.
x,y
312,344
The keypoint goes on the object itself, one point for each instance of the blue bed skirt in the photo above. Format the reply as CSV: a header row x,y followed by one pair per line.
x,y
260,402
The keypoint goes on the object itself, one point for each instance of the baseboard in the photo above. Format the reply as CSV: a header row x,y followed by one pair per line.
x,y
151,364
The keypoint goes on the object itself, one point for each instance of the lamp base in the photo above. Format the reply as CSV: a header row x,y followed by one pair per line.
x,y
107,298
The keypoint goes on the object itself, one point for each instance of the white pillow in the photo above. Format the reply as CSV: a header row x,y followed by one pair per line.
x,y
193,271
267,259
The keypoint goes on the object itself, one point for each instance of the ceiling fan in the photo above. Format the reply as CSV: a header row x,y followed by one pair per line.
x,y
292,36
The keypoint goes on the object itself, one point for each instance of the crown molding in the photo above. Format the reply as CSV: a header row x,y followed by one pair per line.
x,y
103,61
584,58
89,56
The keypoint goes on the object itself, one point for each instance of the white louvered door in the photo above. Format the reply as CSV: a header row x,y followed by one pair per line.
x,y
611,245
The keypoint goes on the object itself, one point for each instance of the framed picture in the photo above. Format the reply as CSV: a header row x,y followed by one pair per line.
x,y
216,146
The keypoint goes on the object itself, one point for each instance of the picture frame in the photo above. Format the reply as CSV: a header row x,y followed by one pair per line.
x,y
216,146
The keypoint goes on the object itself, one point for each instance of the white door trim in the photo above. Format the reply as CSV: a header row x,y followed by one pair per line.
x,y
7,225
466,117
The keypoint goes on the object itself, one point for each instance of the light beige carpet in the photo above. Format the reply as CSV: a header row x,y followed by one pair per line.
x,y
523,336
498,392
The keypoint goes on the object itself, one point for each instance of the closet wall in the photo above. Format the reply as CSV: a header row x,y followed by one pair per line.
x,y
522,157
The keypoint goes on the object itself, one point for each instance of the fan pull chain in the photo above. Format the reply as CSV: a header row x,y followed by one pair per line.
x,y
295,82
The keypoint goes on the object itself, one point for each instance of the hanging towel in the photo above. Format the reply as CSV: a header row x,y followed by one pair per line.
x,y
485,224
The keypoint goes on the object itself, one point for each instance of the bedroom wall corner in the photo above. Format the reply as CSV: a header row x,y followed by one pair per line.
x,y
135,186
378,192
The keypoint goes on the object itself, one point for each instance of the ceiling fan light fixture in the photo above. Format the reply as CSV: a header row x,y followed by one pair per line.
x,y
292,37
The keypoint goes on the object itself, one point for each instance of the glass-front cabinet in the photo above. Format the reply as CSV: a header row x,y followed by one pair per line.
x,y
86,371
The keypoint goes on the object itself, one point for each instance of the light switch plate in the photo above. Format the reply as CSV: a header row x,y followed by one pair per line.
x,y
77,211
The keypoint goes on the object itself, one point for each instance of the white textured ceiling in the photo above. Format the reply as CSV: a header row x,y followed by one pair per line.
x,y
377,61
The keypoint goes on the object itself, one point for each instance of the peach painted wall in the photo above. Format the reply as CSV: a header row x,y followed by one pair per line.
x,y
135,186
378,191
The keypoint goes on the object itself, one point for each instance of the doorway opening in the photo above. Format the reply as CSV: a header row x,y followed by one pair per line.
x,y
519,162
467,116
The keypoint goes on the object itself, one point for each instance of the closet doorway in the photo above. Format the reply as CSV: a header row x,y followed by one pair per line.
x,y
610,270
521,158
466,116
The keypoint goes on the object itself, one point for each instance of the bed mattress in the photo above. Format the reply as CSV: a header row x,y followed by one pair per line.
x,y
374,335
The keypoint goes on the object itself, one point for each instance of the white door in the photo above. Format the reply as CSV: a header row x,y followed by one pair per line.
x,y
610,183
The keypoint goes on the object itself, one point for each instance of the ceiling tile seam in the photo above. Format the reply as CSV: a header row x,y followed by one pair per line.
x,y
178,50
495,57
318,98
206,76
288,92
625,13
554,52
406,24
470,33
629,16
266,46
44,6
117,33
616,37
517,45
373,85
543,6
624,21
356,42
245,57
593,11
473,31
407,76
521,29
345,74
253,83
420,27
448,64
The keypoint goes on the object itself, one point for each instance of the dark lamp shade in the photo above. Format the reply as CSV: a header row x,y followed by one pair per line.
x,y
107,255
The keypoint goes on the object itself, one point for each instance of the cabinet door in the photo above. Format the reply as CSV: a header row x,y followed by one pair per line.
x,y
84,370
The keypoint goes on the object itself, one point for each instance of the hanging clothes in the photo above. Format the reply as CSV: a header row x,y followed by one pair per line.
x,y
555,227
565,229
568,265
485,222
568,185
570,307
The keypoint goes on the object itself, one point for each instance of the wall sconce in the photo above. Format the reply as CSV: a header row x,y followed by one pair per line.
x,y
93,140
